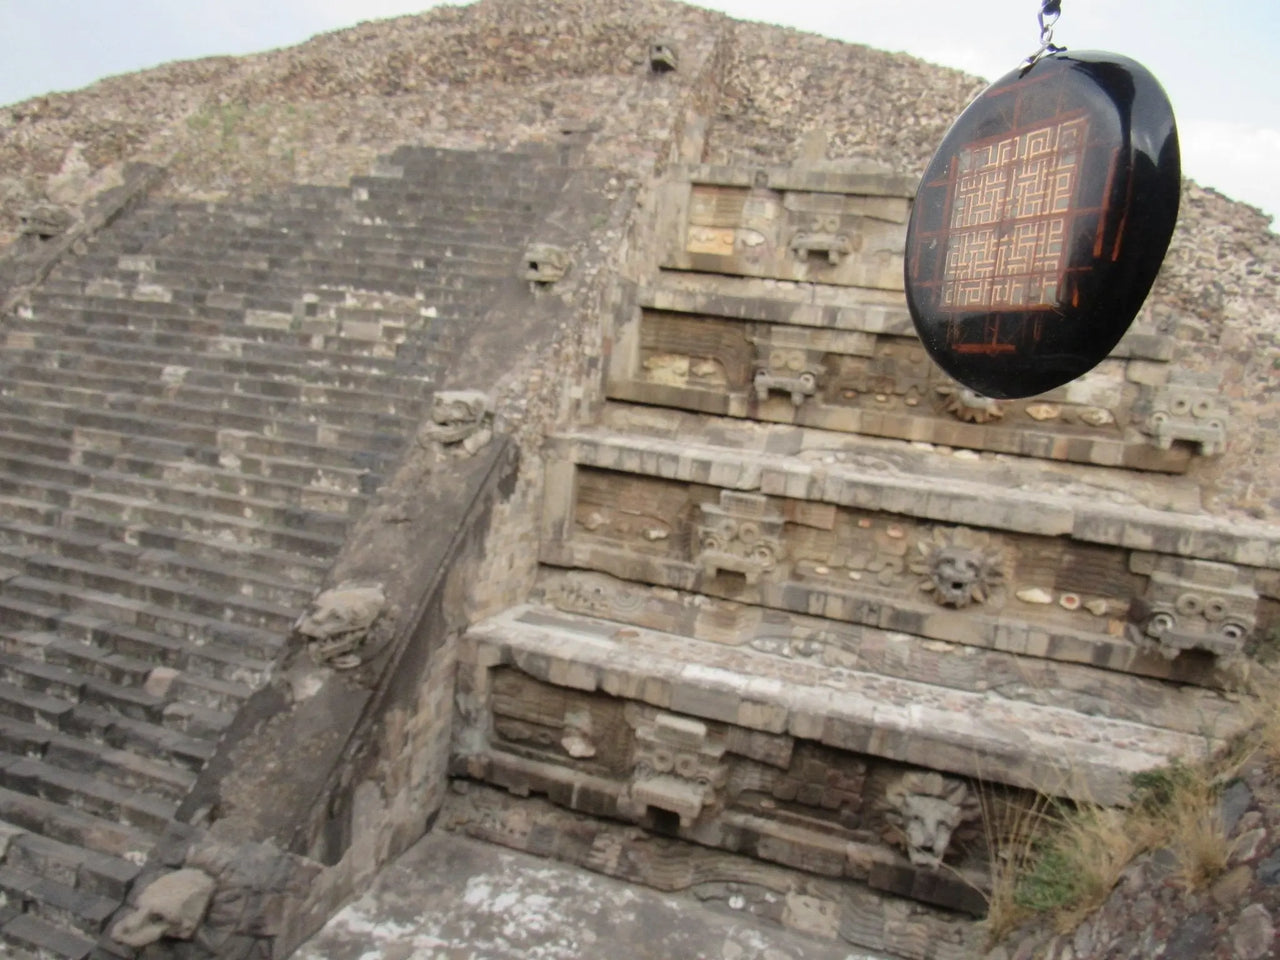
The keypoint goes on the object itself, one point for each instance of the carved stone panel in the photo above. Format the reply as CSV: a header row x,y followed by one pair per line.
x,y
1193,605
1039,595
925,810
1189,409
851,370
739,534
545,263
849,240
792,802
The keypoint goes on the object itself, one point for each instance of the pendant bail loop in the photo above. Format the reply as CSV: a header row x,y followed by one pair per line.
x,y
1050,10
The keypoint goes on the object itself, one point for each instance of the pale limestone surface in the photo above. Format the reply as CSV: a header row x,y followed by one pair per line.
x,y
451,898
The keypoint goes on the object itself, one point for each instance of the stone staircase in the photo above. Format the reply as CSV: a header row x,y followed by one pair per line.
x,y
806,603
193,412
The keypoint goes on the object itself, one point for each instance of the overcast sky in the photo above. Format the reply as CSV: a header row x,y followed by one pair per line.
x,y
1215,59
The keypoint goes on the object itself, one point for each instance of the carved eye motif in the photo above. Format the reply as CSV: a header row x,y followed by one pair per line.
x,y
1234,631
1160,624
1215,609
763,555
1189,604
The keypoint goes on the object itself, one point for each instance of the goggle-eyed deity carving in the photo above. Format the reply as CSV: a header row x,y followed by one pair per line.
x,y
678,768
740,534
1194,605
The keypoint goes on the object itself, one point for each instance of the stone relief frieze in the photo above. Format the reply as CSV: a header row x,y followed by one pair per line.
x,y
679,769
460,419
824,238
338,625
1194,605
794,802
845,239
545,263
969,407
1190,409
739,534
786,365
959,567
882,383
924,812
971,585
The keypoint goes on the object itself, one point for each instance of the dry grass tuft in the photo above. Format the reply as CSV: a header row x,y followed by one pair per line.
x,y
1013,826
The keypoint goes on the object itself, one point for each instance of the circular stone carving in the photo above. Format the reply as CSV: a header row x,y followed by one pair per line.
x,y
1041,222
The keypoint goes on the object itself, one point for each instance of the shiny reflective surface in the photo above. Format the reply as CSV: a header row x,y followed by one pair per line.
x,y
1041,222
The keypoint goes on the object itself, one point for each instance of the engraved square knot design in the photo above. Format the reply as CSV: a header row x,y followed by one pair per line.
x,y
1009,218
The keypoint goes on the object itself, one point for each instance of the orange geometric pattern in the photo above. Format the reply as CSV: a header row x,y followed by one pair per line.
x,y
1009,215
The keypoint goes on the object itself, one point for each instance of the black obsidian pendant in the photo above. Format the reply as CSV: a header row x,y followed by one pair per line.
x,y
1041,222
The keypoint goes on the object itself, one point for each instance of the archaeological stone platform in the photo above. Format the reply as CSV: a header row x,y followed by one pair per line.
x,y
572,484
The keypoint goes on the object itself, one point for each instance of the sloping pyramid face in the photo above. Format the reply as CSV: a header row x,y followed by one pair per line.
x,y
690,568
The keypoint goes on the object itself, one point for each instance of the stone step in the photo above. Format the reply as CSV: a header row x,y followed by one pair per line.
x,y
60,682
431,281
112,328
262,311
189,685
44,940
247,453
121,768
231,410
54,461
216,674
377,265
186,342
227,299
241,255
538,155
398,239
187,485
992,739
70,864
293,561
19,615
55,903
76,828
86,793
177,746
189,425
50,337
166,623
141,600
352,212
49,679
297,381
268,582
31,707
190,385
301,531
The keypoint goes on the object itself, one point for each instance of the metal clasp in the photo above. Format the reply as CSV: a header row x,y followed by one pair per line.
x,y
1050,10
